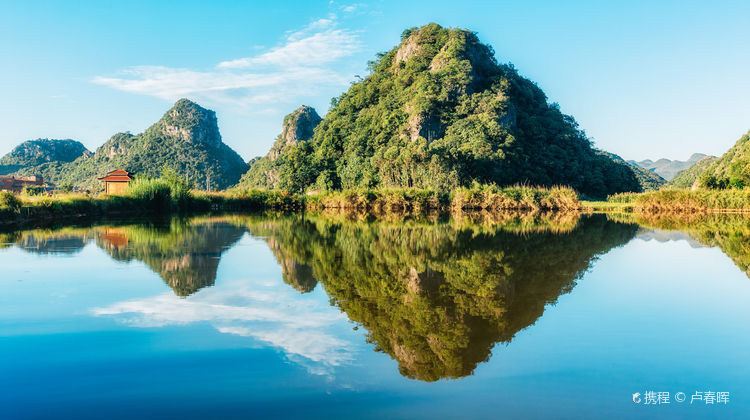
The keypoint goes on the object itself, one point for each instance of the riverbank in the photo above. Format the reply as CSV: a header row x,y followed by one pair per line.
x,y
162,197
675,201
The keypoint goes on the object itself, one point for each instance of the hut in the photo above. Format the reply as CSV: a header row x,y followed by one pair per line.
x,y
116,182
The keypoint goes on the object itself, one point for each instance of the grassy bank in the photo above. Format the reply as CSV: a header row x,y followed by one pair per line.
x,y
169,196
676,201
475,198
144,198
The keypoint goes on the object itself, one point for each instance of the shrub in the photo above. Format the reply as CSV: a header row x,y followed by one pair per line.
x,y
9,202
33,190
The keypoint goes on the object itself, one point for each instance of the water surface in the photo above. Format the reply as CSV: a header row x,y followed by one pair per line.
x,y
474,316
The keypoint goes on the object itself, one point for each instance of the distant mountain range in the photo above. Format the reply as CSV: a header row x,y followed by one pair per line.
x,y
668,169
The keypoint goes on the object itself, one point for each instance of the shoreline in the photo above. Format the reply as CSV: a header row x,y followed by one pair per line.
x,y
36,211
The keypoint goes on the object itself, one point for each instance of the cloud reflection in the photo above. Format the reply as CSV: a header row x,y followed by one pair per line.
x,y
272,313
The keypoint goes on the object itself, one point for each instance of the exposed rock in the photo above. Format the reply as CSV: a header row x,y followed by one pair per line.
x,y
192,123
408,49
116,145
298,126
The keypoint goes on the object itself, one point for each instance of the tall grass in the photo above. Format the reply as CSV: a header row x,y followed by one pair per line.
x,y
477,197
167,195
694,201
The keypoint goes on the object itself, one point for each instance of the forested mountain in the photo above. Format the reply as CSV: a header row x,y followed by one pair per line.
x,y
668,169
185,139
688,177
268,171
438,111
35,157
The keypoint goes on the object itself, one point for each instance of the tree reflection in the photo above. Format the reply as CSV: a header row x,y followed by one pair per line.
x,y
437,295
185,253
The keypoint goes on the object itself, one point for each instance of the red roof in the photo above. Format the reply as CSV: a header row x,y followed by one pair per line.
x,y
119,172
116,178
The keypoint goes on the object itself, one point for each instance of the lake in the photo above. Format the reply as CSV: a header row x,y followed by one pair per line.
x,y
357,316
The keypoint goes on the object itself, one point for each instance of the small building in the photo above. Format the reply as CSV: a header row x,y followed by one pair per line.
x,y
116,182
16,185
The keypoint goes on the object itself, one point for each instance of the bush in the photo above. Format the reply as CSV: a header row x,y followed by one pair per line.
x,y
33,190
9,202
154,193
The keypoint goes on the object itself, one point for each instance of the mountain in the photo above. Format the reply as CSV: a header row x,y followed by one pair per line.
x,y
688,177
731,169
648,180
35,157
669,169
297,127
186,139
438,111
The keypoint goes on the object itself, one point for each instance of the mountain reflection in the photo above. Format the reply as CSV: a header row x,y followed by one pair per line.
x,y
437,295
185,253
728,232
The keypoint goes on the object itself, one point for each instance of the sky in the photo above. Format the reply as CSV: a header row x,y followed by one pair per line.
x,y
644,79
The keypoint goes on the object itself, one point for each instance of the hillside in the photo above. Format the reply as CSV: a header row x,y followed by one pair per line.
x,y
35,157
185,139
668,169
438,111
687,178
731,169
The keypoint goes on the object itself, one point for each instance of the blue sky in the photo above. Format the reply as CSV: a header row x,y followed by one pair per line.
x,y
644,79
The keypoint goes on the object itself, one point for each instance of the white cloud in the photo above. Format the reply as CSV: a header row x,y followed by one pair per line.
x,y
272,313
299,66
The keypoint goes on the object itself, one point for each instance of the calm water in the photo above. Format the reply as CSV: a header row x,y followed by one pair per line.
x,y
289,317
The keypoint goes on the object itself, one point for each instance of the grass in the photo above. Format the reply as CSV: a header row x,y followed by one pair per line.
x,y
687,201
168,195
478,197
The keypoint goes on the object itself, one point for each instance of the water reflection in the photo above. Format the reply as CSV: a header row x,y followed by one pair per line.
x,y
185,253
434,293
728,232
436,296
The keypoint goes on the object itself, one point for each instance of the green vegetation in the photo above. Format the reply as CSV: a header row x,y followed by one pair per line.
x,y
677,201
9,203
478,197
265,172
40,151
437,295
731,170
42,157
182,251
438,112
186,139
165,195
694,201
